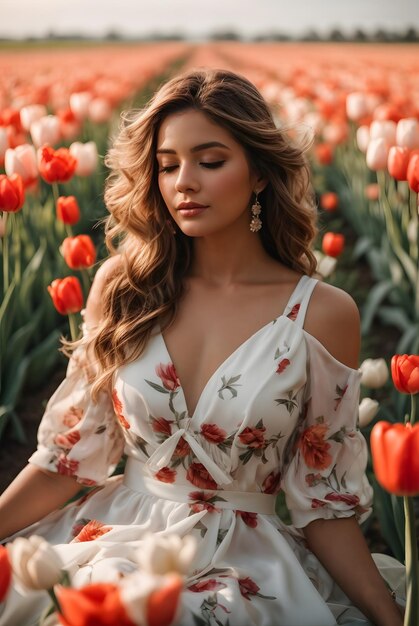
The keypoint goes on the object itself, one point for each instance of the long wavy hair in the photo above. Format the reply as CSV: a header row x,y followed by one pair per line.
x,y
145,288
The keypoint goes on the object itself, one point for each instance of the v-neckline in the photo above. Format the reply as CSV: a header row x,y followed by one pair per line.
x,y
298,287
217,370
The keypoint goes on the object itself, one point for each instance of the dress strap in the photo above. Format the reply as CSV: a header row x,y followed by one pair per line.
x,y
296,308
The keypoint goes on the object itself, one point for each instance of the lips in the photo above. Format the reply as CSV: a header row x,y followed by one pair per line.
x,y
191,205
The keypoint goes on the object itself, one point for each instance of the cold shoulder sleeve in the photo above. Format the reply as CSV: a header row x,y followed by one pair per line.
x,y
78,437
326,475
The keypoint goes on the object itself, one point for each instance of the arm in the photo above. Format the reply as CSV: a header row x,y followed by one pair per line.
x,y
36,491
341,547
339,543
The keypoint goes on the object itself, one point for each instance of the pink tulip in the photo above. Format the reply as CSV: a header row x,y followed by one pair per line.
x,y
356,105
99,110
86,155
377,154
407,134
22,161
46,130
32,113
3,144
79,104
363,138
385,129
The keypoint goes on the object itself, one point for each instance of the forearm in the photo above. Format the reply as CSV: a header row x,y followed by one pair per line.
x,y
33,494
341,547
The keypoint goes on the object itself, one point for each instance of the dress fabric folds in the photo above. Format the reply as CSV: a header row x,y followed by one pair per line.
x,y
279,416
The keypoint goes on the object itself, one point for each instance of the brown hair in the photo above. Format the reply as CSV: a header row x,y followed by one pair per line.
x,y
145,290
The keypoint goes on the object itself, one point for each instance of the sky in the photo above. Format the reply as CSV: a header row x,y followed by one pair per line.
x,y
197,18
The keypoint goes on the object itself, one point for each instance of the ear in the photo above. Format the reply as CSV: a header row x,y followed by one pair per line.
x,y
260,184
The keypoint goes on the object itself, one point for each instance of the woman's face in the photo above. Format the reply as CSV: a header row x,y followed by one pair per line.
x,y
204,177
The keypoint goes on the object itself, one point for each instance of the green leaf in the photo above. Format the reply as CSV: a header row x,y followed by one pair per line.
x,y
156,386
373,302
362,245
395,316
406,344
43,358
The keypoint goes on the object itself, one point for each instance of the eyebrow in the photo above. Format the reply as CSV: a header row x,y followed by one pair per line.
x,y
202,146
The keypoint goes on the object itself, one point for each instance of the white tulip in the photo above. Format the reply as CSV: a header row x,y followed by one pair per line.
x,y
374,373
377,154
4,143
22,160
356,105
46,130
407,133
79,104
99,110
164,554
325,264
385,129
86,155
35,563
368,409
363,137
31,113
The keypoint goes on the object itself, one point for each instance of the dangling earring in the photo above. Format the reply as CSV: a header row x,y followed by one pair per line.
x,y
256,222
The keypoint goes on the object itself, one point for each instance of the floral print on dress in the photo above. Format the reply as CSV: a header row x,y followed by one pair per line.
x,y
253,438
90,531
199,476
118,410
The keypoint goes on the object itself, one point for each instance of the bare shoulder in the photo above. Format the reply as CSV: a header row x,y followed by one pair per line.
x,y
94,307
333,319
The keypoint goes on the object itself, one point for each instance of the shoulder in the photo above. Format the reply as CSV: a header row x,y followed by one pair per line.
x,y
333,319
94,304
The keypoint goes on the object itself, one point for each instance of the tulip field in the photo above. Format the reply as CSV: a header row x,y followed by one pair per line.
x,y
358,108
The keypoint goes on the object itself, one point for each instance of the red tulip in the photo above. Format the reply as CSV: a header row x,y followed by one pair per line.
x,y
397,162
66,294
162,603
333,244
56,166
413,172
12,193
395,455
93,605
5,572
324,153
329,201
405,372
79,252
68,210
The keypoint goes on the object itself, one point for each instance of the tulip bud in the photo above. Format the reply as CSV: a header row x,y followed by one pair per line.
x,y
333,244
325,264
79,252
372,191
99,110
22,161
164,554
12,193
407,133
395,455
412,173
377,154
384,129
46,130
86,156
32,113
79,104
35,563
363,138
329,201
66,294
68,210
356,105
398,160
5,572
56,166
374,373
368,409
405,372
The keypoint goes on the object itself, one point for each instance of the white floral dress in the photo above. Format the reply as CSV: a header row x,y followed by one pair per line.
x,y
278,416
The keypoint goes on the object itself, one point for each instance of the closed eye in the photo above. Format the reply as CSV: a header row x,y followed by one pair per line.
x,y
208,164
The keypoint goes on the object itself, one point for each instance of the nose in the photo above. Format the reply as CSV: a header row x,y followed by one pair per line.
x,y
186,179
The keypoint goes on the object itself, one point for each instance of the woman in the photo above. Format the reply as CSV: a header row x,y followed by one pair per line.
x,y
226,370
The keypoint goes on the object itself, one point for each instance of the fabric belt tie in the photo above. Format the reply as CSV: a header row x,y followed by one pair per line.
x,y
162,455
248,501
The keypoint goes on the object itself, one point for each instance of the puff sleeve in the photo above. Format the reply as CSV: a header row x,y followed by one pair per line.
x,y
76,436
326,475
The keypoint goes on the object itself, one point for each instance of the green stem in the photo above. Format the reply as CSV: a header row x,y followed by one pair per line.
x,y
74,331
54,599
5,255
411,616
85,279
55,193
